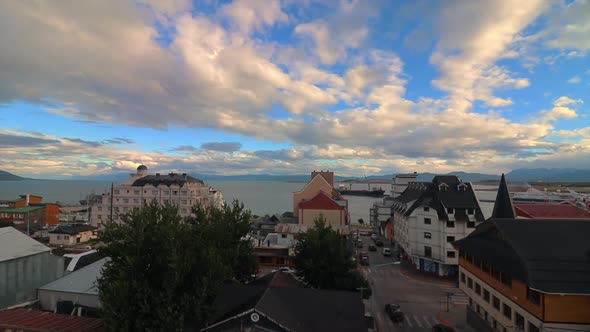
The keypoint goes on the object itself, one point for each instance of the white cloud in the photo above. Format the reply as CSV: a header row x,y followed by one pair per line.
x,y
562,109
574,80
473,37
569,28
253,15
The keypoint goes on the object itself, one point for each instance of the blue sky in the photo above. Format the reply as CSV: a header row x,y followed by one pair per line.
x,y
284,87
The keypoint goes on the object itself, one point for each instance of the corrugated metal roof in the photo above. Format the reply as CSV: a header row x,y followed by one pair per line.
x,y
28,320
82,281
14,244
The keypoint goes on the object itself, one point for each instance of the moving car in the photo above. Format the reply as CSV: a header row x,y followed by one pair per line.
x,y
394,312
364,258
442,328
374,236
359,243
372,247
386,252
379,243
285,269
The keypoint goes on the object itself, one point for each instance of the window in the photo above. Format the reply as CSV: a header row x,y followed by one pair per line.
x,y
462,277
166,192
450,210
426,209
496,274
470,302
66,237
183,210
116,209
427,235
136,200
427,251
470,211
450,239
284,236
183,193
125,209
478,289
175,193
496,302
507,311
450,224
506,279
478,309
100,208
471,224
136,192
166,201
427,221
183,202
470,283
155,192
533,296
519,321
59,237
450,254
126,200
117,192
486,295
533,328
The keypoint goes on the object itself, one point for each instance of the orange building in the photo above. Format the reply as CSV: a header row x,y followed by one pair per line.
x,y
526,274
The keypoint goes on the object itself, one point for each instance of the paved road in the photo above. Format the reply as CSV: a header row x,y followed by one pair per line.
x,y
422,303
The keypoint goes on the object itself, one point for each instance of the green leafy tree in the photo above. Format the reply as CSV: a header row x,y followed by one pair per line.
x,y
324,259
164,270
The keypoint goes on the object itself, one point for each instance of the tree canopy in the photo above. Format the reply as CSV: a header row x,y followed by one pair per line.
x,y
164,270
324,259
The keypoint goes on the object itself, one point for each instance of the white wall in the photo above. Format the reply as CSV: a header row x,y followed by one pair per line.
x,y
48,299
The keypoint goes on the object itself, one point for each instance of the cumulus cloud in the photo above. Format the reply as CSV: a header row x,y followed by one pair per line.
x,y
570,28
339,98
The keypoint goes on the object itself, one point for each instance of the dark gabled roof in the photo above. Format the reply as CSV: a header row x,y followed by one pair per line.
x,y
72,229
289,303
550,255
451,196
503,207
168,180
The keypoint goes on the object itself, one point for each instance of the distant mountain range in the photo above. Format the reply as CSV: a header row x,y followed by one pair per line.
x,y
6,176
522,174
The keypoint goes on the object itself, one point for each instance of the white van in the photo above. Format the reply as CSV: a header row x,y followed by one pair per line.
x,y
386,252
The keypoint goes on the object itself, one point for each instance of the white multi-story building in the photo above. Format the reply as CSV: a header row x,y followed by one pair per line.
x,y
142,188
429,216
380,213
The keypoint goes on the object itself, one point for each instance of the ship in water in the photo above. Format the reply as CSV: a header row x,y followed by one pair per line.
x,y
374,192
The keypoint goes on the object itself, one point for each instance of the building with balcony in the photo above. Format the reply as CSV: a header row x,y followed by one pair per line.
x,y
181,190
429,216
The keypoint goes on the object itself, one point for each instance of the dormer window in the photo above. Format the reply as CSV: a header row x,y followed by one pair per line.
x,y
443,187
462,187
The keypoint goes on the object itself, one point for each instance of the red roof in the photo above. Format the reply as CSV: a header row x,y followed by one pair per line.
x,y
321,201
550,211
25,320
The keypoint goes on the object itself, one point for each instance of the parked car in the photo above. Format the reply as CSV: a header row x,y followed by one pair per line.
x,y
386,252
372,247
442,328
285,269
379,243
394,312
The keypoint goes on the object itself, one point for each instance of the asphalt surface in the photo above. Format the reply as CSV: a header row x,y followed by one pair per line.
x,y
424,304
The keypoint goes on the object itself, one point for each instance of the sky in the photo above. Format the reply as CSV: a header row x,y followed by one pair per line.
x,y
285,87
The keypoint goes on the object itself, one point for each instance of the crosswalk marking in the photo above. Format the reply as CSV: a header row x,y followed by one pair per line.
x,y
427,321
417,321
368,269
409,321
458,296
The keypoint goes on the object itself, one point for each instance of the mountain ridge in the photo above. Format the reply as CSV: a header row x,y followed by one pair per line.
x,y
520,174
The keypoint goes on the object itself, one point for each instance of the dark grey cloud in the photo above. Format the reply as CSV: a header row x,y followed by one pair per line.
x,y
222,146
85,142
9,140
119,140
185,148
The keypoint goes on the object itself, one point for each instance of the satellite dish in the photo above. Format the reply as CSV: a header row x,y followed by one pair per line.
x,y
254,317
